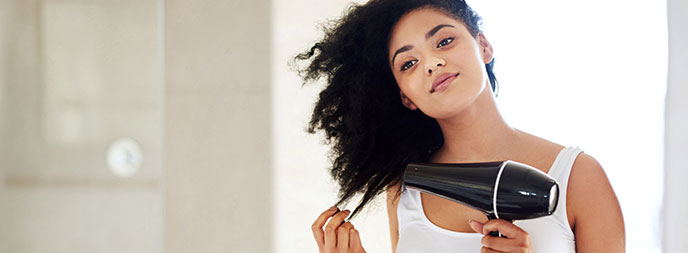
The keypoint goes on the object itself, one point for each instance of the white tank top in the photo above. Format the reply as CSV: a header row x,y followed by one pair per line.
x,y
547,234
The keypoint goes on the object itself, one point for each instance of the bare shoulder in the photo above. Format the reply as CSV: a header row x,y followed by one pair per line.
x,y
598,222
588,183
393,195
393,189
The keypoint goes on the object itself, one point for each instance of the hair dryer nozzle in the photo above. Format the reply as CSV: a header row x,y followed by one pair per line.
x,y
507,190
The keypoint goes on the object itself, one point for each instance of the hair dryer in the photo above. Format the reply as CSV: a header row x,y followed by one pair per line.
x,y
508,190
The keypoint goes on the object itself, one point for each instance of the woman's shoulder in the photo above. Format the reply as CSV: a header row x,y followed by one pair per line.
x,y
537,151
393,193
586,172
588,179
539,143
594,206
393,190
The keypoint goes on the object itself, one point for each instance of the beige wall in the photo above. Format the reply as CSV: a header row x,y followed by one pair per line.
x,y
217,120
75,75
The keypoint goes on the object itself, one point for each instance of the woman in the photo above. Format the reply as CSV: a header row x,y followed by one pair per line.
x,y
412,81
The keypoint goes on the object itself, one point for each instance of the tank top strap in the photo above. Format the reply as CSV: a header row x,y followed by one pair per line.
x,y
560,171
561,168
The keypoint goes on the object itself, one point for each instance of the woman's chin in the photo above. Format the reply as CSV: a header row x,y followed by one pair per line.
x,y
448,111
451,108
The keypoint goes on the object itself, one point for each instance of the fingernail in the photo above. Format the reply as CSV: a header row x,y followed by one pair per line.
x,y
476,223
333,208
475,226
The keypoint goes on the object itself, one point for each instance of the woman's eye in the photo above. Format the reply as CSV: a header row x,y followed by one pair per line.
x,y
408,65
445,42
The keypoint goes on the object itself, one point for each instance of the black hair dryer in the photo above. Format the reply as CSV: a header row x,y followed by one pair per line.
x,y
508,190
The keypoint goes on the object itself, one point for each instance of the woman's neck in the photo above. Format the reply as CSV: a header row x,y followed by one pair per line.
x,y
477,134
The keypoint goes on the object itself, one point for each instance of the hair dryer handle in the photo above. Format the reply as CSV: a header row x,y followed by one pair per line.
x,y
491,216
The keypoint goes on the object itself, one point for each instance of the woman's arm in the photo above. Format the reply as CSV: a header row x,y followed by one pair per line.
x,y
392,204
598,222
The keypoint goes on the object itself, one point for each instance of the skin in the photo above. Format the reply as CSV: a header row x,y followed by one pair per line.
x,y
337,235
474,131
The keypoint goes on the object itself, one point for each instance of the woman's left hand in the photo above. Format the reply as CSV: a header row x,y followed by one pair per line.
x,y
517,239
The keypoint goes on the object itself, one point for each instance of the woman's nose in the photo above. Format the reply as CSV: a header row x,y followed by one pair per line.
x,y
433,64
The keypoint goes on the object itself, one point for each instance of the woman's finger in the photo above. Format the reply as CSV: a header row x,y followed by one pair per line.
x,y
499,244
488,250
331,230
504,227
343,237
517,239
355,241
476,226
319,223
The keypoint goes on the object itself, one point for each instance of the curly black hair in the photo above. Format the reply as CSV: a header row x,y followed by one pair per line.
x,y
360,110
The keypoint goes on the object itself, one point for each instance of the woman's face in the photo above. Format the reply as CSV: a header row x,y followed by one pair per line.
x,y
438,65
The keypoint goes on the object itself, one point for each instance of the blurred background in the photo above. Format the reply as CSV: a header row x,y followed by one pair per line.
x,y
179,126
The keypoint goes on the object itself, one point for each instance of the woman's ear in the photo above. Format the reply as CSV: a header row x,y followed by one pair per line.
x,y
485,48
407,101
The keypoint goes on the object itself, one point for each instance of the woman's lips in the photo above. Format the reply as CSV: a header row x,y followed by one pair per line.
x,y
442,81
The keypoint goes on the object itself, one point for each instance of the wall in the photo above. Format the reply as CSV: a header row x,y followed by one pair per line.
x,y
75,76
217,126
674,216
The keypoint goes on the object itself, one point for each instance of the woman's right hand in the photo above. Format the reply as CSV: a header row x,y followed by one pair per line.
x,y
336,237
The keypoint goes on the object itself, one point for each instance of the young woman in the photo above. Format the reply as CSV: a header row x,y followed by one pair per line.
x,y
412,81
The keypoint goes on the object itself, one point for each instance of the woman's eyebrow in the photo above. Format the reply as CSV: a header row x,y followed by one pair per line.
x,y
427,36
401,50
436,29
